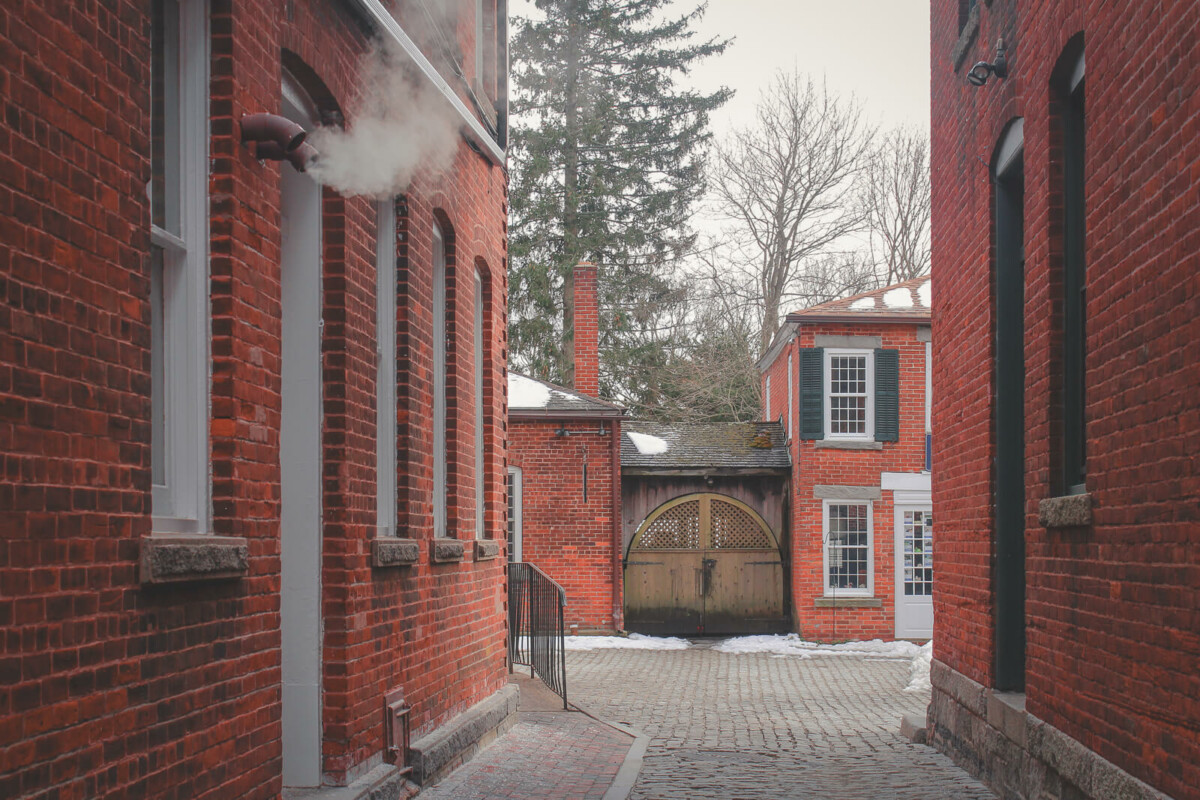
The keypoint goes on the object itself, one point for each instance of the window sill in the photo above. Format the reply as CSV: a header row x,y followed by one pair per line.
x,y
390,551
1070,511
446,551
847,444
486,549
848,602
175,558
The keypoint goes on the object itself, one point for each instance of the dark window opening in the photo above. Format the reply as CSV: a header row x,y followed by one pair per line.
x,y
1074,442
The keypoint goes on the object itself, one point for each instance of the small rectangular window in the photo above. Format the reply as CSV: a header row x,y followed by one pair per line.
x,y
849,392
848,559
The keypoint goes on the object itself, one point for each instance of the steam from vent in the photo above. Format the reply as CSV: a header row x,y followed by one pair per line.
x,y
398,124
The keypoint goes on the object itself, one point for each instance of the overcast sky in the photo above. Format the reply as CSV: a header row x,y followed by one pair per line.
x,y
877,50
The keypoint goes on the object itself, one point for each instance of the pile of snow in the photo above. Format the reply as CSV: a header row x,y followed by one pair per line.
x,y
526,393
792,645
646,444
918,671
863,304
635,641
925,293
898,298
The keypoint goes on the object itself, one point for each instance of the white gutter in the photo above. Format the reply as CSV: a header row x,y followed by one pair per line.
x,y
384,20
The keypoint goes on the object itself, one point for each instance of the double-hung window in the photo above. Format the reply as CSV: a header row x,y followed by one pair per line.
x,y
178,266
850,389
848,560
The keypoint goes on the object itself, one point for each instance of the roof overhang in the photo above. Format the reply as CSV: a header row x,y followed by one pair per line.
x,y
858,319
546,413
704,472
782,337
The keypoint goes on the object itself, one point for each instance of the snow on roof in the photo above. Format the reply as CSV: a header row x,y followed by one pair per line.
x,y
527,393
902,301
648,445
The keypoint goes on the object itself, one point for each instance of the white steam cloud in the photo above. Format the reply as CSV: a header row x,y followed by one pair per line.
x,y
397,124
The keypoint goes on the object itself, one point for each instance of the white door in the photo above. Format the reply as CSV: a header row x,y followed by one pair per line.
x,y
914,571
300,474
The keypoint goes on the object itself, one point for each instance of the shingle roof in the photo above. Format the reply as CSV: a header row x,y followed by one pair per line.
x,y
529,397
901,302
739,445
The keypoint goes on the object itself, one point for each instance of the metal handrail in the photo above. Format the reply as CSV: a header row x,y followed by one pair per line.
x,y
536,636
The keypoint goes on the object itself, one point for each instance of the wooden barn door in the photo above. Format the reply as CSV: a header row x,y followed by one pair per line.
x,y
704,564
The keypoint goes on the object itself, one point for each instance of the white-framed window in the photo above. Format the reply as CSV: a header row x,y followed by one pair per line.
x,y
480,531
179,295
515,503
439,382
791,384
848,537
385,368
849,394
767,404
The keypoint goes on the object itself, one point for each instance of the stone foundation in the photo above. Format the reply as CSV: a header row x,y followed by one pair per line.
x,y
434,756
992,736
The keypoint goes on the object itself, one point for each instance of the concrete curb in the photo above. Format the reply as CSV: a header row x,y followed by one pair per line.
x,y
631,767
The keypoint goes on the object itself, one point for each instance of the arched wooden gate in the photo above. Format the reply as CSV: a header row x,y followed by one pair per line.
x,y
704,564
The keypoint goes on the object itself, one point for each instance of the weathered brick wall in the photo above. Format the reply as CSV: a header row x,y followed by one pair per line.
x,y
1111,608
817,466
111,687
778,372
567,538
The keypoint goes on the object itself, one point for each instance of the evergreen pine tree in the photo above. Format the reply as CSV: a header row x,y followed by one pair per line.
x,y
607,157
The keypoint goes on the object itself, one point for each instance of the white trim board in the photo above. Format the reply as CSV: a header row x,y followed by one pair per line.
x,y
905,481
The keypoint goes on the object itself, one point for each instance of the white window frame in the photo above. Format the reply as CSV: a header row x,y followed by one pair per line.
x,y
181,501
385,368
516,502
767,410
791,386
832,591
829,355
480,461
439,383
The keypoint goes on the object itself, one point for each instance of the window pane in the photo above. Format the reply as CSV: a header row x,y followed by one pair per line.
x,y
848,394
164,115
847,547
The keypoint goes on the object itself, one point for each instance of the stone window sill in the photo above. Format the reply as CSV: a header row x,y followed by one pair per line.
x,y
1069,511
848,602
446,551
178,558
391,551
966,36
847,444
486,549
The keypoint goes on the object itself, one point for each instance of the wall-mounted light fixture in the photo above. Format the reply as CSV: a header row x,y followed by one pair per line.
x,y
979,74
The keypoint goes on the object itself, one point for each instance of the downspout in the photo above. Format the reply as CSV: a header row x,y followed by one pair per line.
x,y
618,577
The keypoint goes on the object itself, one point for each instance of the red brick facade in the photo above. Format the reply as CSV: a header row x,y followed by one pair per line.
x,y
116,688
817,612
1109,604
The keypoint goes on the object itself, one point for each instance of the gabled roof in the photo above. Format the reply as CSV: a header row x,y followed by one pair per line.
x,y
647,446
529,397
909,301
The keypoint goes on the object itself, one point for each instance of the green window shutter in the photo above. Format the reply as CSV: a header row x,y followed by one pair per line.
x,y
887,395
812,393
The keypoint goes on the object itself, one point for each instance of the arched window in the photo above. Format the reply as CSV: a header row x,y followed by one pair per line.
x,y
385,370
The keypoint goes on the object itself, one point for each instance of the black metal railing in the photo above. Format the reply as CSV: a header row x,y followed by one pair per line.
x,y
536,638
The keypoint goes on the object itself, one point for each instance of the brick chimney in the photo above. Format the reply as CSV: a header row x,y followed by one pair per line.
x,y
587,331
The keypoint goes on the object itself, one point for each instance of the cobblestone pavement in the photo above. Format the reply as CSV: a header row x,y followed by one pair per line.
x,y
750,726
547,756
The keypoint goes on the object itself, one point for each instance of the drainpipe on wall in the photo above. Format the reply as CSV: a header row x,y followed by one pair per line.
x,y
618,577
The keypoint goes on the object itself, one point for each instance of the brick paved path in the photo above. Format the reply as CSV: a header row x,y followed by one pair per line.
x,y
545,756
760,726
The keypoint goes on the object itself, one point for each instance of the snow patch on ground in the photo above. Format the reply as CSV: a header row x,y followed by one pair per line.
x,y
792,645
898,298
918,671
635,641
646,444
925,293
863,303
526,393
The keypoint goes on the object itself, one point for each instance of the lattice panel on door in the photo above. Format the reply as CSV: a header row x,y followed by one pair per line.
x,y
677,528
734,529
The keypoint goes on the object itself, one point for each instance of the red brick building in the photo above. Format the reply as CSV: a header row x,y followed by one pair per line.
x,y
849,379
564,478
1065,245
252,428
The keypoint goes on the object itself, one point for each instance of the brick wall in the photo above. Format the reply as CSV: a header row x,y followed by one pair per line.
x,y
1111,607
569,539
112,687
586,331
